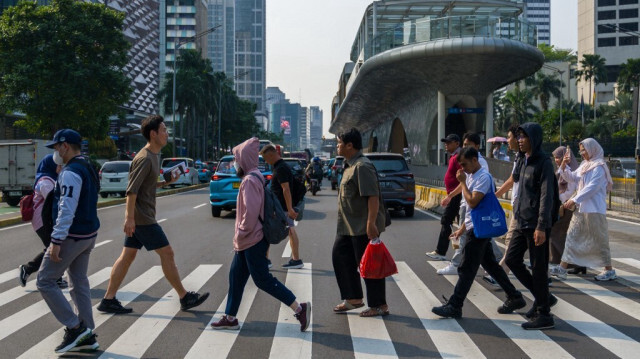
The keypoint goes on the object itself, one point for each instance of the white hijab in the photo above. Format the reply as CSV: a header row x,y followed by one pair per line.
x,y
596,158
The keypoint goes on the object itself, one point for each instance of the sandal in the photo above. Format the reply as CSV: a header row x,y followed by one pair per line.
x,y
374,312
346,306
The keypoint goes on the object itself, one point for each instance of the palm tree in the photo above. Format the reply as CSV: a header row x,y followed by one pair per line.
x,y
592,69
517,106
544,86
621,111
629,75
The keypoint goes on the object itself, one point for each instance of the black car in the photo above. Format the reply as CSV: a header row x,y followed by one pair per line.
x,y
397,184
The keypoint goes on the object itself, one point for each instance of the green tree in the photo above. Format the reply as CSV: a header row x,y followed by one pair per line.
x,y
551,54
544,86
517,106
61,65
573,130
629,75
592,69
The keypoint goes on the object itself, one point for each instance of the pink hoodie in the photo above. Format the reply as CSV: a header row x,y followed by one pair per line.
x,y
250,203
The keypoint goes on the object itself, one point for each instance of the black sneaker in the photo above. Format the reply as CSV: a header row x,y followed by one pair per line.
x,y
113,306
62,284
540,322
553,300
447,311
192,299
89,344
489,279
23,275
293,264
512,304
72,337
304,317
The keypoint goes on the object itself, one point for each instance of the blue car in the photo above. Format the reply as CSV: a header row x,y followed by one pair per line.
x,y
224,184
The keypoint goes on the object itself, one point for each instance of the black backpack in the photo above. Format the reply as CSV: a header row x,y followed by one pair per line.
x,y
274,222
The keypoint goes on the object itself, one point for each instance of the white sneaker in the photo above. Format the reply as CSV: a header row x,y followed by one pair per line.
x,y
558,272
435,255
448,270
607,275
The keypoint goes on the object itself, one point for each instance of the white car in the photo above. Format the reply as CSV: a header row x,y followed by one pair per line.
x,y
114,178
190,177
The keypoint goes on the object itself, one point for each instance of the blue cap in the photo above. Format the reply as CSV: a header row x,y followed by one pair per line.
x,y
65,135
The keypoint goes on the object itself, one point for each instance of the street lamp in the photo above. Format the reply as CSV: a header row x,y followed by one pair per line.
x,y
175,62
560,72
220,106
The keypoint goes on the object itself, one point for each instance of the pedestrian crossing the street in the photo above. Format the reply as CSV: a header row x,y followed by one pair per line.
x,y
134,335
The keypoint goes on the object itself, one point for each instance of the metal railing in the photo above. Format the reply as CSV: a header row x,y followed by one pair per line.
x,y
423,30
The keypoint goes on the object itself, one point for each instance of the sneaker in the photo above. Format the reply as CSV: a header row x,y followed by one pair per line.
x,y
558,272
225,324
89,344
539,322
23,275
113,306
293,264
269,265
553,300
512,304
62,284
304,316
448,270
606,275
72,337
435,255
489,279
447,311
192,299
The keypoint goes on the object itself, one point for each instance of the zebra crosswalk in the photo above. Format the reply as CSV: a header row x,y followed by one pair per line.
x,y
586,326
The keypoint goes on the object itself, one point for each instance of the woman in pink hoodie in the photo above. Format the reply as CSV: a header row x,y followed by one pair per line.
x,y
250,246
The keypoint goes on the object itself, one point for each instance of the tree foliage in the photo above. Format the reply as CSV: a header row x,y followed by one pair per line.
x,y
592,69
516,107
629,75
551,54
544,86
61,65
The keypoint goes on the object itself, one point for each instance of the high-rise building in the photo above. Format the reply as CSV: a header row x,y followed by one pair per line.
x,y
538,12
221,43
250,47
305,127
181,21
315,116
608,28
285,117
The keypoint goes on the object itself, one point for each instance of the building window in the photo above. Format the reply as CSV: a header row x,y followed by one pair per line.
x,y
606,29
628,13
628,41
607,15
607,42
628,26
628,2
602,3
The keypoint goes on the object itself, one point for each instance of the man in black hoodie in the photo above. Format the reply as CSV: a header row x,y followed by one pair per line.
x,y
534,211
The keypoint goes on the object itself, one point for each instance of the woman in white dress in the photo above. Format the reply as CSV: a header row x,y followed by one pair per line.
x,y
587,241
566,190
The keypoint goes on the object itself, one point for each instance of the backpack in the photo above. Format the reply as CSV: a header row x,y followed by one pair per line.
x,y
274,221
317,170
298,190
26,207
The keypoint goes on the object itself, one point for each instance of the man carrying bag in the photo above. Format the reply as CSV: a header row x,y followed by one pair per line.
x,y
477,189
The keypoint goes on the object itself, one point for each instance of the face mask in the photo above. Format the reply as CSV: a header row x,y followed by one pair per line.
x,y
236,165
57,158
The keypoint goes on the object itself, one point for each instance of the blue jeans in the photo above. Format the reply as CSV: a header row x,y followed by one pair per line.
x,y
253,262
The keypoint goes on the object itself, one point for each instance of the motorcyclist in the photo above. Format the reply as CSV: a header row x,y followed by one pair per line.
x,y
314,170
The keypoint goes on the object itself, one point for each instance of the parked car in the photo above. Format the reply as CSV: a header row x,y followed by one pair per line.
x,y
296,167
190,176
114,178
224,184
336,171
397,184
622,167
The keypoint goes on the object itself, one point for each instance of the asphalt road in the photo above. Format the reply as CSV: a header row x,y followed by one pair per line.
x,y
592,320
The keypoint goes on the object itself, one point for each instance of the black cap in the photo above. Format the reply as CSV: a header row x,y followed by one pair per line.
x,y
66,135
451,138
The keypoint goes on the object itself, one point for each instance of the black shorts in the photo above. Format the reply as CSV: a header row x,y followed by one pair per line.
x,y
151,236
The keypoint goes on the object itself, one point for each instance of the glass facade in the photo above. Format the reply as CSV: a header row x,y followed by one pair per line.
x,y
538,12
250,50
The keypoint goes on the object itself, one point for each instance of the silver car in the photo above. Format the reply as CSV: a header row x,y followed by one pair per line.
x,y
114,178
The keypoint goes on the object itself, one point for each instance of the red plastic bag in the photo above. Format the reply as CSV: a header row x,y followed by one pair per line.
x,y
377,263
26,207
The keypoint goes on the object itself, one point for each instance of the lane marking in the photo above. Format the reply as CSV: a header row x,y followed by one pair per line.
x,y
288,342
200,205
221,341
448,336
135,341
126,295
21,319
286,253
534,343
162,220
103,243
623,221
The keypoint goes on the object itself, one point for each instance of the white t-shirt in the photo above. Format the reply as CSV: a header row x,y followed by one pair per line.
x,y
515,187
484,165
482,182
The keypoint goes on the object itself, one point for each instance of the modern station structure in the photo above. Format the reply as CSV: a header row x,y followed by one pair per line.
x,y
423,69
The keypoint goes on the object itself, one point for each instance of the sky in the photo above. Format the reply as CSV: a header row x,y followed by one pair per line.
x,y
309,41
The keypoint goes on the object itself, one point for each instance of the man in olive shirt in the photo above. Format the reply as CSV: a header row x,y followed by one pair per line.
x,y
140,226
361,217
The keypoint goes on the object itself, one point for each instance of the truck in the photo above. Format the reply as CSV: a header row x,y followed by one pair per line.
x,y
19,161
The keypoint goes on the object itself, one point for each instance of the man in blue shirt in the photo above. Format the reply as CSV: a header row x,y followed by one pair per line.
x,y
74,234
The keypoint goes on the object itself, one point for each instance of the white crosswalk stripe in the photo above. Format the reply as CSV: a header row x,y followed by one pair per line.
x,y
154,320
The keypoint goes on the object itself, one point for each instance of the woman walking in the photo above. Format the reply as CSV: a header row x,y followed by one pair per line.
x,y
587,242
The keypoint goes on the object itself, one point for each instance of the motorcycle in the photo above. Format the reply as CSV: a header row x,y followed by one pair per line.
x,y
314,186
